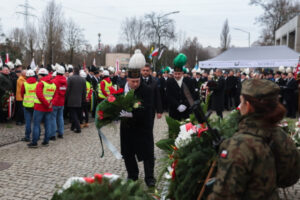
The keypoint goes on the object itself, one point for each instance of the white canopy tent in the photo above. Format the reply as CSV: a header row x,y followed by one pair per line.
x,y
253,57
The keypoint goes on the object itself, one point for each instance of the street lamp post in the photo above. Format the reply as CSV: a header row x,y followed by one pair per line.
x,y
238,29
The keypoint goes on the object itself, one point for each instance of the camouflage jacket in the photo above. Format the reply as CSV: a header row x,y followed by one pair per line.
x,y
246,164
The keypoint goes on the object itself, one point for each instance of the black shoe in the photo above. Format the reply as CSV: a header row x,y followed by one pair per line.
x,y
32,145
53,138
150,182
24,139
45,144
19,123
60,136
77,131
72,128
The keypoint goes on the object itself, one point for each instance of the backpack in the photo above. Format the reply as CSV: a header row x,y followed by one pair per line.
x,y
287,158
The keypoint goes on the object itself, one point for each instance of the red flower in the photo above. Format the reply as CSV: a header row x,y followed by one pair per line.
x,y
100,114
113,91
111,98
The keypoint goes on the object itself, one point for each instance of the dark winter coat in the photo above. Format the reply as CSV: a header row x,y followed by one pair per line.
x,y
5,84
163,92
76,91
176,97
136,132
217,97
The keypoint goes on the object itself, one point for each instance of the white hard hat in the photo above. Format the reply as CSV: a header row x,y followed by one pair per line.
x,y
30,73
10,65
105,73
60,69
111,69
43,71
18,62
82,74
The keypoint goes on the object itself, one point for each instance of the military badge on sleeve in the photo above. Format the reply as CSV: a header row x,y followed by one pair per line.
x,y
224,154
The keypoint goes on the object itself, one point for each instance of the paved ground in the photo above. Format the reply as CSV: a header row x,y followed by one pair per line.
x,y
35,173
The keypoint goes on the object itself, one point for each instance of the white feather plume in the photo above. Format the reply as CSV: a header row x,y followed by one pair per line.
x,y
281,69
137,61
288,70
10,65
18,62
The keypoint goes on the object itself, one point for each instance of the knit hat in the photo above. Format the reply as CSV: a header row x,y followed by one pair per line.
x,y
136,62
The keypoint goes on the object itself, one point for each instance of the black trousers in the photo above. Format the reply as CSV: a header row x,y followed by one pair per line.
x,y
19,114
291,108
75,113
85,111
133,170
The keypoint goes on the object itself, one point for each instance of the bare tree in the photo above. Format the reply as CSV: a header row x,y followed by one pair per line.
x,y
194,51
225,36
74,39
32,41
276,14
52,30
160,28
133,31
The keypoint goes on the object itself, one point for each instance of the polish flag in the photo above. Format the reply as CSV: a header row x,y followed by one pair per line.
x,y
84,65
154,53
7,58
117,66
297,69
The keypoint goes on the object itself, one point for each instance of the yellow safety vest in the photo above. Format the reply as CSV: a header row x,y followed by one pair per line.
x,y
88,88
48,91
29,95
107,85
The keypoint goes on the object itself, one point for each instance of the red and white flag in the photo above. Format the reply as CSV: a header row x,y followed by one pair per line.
x,y
162,51
94,62
84,65
7,58
117,66
297,69
154,53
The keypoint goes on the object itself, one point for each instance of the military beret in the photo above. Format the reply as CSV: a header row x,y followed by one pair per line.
x,y
260,88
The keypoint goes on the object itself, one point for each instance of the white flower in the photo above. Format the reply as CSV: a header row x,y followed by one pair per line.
x,y
184,136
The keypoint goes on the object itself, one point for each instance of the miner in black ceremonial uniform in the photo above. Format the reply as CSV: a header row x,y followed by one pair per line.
x,y
179,90
137,142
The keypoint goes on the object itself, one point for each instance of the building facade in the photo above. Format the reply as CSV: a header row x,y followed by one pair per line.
x,y
111,59
289,34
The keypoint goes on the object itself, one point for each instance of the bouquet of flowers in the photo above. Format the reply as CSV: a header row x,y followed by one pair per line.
x,y
109,109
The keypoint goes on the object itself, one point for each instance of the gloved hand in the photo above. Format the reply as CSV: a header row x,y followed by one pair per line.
x,y
181,108
124,113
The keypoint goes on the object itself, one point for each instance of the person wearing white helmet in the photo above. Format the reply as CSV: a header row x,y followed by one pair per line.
x,y
45,90
86,103
19,113
28,94
58,103
104,85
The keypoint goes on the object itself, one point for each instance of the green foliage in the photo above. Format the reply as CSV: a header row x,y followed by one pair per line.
x,y
111,110
117,190
174,127
165,144
193,165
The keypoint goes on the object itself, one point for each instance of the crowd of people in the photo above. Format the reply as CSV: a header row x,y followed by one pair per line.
x,y
77,92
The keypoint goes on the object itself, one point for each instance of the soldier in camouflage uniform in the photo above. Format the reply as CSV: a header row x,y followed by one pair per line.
x,y
246,164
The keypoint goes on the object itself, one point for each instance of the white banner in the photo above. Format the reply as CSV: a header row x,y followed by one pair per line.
x,y
248,63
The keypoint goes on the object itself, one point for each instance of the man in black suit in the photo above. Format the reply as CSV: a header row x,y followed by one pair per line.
x,y
289,95
136,132
150,81
217,97
177,88
163,89
281,83
231,83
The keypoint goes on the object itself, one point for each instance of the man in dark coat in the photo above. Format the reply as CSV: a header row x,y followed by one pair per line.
x,y
217,97
231,83
289,95
152,83
6,85
177,88
163,89
281,83
136,131
76,94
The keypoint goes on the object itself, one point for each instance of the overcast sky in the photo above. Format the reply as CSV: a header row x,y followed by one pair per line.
x,y
201,18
